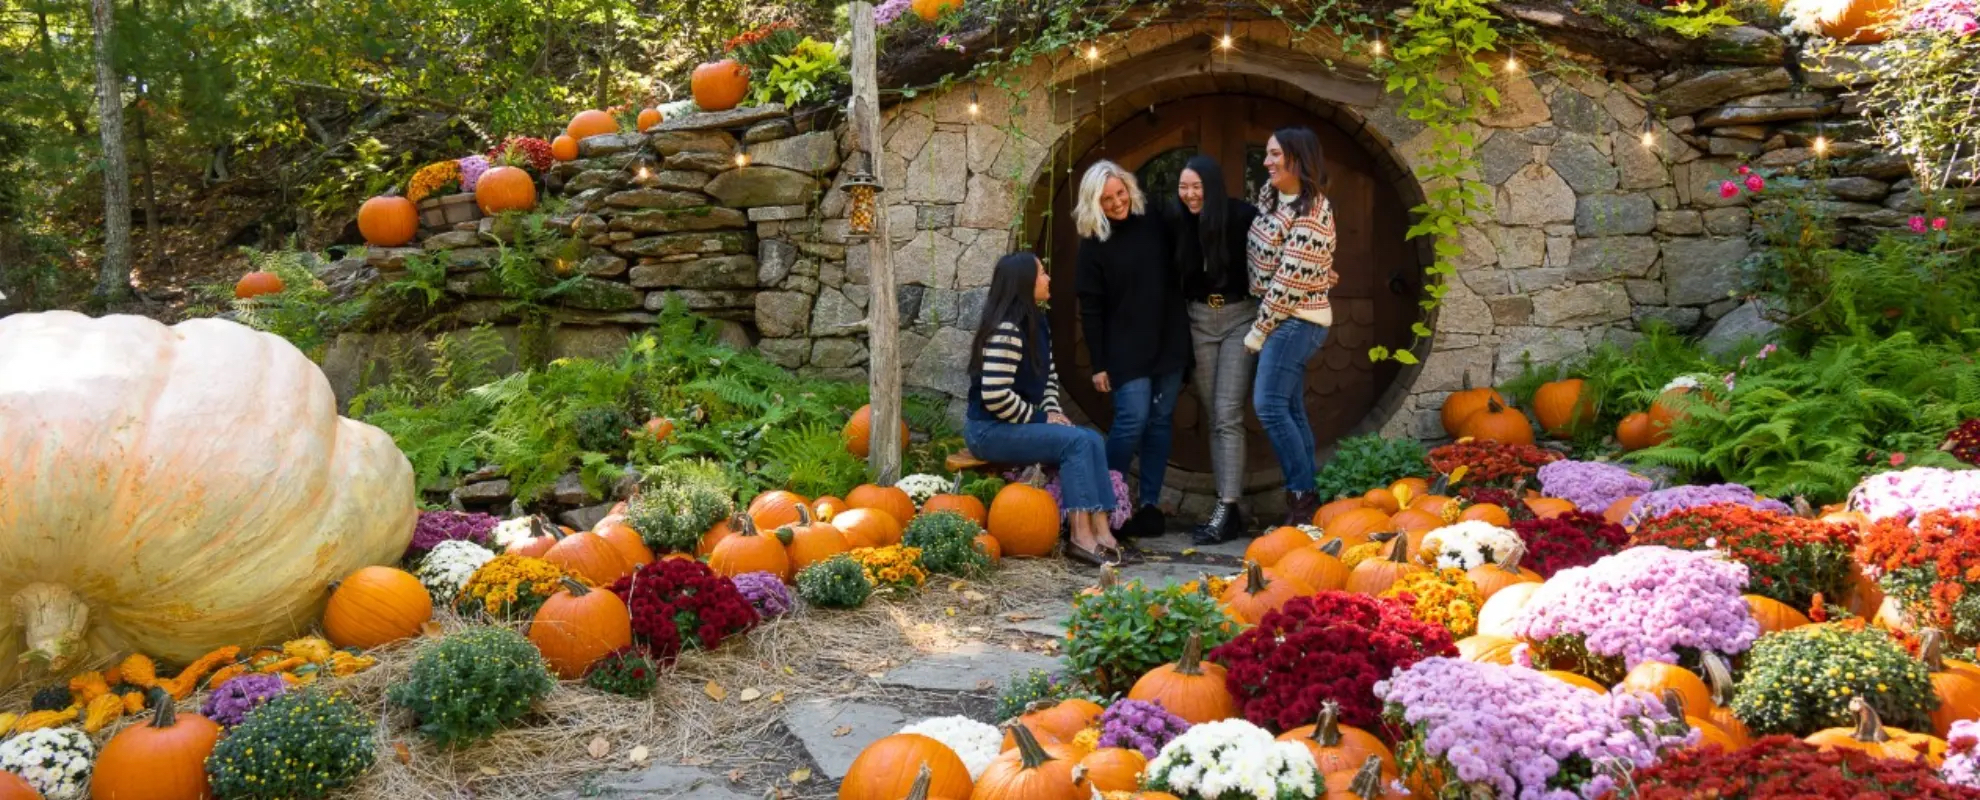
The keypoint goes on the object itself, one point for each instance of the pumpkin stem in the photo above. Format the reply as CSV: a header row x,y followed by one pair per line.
x,y
957,488
1110,576
1367,783
1191,662
1510,561
576,589
1492,404
743,525
1868,727
1931,646
1035,477
168,713
1203,584
1254,578
1327,730
52,619
1802,508
804,515
1674,703
919,791
1400,553
1334,546
1030,752
1719,676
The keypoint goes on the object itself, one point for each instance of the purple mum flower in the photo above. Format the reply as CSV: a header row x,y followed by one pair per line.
x,y
765,592
1136,725
230,704
435,527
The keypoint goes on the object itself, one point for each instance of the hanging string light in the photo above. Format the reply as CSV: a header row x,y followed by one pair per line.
x,y
1227,41
1821,143
1512,63
742,159
1649,130
1376,47
1092,52
974,109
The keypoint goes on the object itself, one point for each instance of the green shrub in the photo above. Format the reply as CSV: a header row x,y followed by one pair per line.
x,y
602,428
1113,638
680,501
1020,691
304,744
1781,693
1622,380
1367,462
471,684
626,671
948,544
984,488
836,582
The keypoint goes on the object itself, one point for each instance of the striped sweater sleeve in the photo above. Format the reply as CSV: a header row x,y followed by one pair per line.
x,y
1304,271
1051,404
1001,356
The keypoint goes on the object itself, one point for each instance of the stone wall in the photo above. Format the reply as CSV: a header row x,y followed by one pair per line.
x,y
1590,234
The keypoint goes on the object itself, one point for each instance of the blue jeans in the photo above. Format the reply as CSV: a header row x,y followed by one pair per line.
x,y
1144,424
1079,453
1279,395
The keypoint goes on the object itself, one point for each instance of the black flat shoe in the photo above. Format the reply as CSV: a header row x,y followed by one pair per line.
x,y
1084,556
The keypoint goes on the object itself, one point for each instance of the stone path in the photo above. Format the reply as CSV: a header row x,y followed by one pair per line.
x,y
834,731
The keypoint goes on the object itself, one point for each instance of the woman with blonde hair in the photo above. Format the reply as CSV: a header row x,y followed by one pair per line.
x,y
1137,331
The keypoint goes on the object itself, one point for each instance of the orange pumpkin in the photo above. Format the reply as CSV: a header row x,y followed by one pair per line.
x,y
1268,549
1331,511
858,433
1025,519
1113,769
505,189
538,545
883,498
1958,689
919,791
1415,521
812,542
1619,510
1491,578
649,117
932,10
589,123
1710,735
1355,527
1189,688
1855,21
1774,615
388,221
1487,648
1656,677
589,556
1059,721
1635,432
162,760
748,550
375,606
1548,507
866,527
1489,513
826,507
1320,568
1465,402
628,542
716,533
887,769
1871,736
1497,422
1373,780
1031,771
564,148
1719,677
1376,575
719,86
577,626
1382,500
1563,407
775,509
966,505
1417,487
1671,407
1259,592
1336,747
987,544
15,787
256,284
1573,679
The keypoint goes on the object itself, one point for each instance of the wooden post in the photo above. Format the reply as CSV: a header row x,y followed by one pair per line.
x,y
882,314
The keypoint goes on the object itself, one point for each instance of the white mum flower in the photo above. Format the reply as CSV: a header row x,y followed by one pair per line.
x,y
447,568
56,761
1469,544
510,531
976,743
921,486
1233,757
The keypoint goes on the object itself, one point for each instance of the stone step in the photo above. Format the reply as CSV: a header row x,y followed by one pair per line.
x,y
667,782
833,732
973,667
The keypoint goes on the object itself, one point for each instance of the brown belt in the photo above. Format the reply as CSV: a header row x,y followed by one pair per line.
x,y
1215,301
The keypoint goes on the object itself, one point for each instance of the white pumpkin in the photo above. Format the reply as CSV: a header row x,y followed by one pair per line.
x,y
171,490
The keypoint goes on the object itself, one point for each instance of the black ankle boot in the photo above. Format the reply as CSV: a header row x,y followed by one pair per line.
x,y
1147,523
1224,524
1300,507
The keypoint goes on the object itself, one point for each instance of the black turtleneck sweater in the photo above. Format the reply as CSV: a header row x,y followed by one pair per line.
x,y
1130,303
1199,281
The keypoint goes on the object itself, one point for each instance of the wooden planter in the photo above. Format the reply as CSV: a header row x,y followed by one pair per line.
x,y
446,211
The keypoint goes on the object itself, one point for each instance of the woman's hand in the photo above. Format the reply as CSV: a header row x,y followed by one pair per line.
x,y
1057,418
1101,383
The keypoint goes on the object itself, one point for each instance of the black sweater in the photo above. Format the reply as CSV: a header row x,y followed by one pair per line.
x,y
1130,303
1198,282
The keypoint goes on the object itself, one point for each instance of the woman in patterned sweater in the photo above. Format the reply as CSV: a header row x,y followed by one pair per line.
x,y
1014,414
1291,253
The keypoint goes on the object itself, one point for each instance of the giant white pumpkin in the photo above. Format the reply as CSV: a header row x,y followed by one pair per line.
x,y
171,490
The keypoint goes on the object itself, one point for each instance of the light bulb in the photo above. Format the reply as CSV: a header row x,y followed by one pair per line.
x,y
1821,145
1092,53
1512,64
1225,42
742,159
973,110
1649,138
1376,47
642,172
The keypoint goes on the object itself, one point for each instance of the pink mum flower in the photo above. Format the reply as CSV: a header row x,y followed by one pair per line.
x,y
1755,183
1917,224
1728,190
1939,224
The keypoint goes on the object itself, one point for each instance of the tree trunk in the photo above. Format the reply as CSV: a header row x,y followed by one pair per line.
x,y
113,277
883,339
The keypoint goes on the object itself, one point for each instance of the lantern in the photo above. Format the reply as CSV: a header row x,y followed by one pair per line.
x,y
862,201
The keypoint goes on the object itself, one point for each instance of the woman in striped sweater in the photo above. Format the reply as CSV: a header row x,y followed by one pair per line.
x,y
1291,253
1014,414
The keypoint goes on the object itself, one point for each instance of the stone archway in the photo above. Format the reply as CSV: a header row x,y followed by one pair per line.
x,y
1179,105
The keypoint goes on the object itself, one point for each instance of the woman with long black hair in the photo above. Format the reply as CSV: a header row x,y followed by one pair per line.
x,y
1291,255
1014,415
1210,230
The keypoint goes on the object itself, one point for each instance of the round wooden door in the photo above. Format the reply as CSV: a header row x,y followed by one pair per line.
x,y
1374,303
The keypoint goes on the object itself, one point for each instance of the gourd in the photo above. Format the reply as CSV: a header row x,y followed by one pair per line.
x,y
1112,769
588,123
1354,527
14,787
1376,575
1333,510
1025,519
1491,578
858,433
1503,608
1854,21
890,499
388,221
1774,615
627,541
578,626
1486,648
505,189
257,283
886,769
720,86
1336,747
589,556
1489,513
376,606
1573,679
1958,691
1563,407
1189,688
1654,678
164,759
1371,781
169,490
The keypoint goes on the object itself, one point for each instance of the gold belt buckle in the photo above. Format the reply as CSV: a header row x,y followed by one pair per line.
x,y
1216,301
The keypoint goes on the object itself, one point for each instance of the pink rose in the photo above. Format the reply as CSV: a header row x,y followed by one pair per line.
x,y
1939,224
1917,224
1745,170
1897,459
1755,183
1728,190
